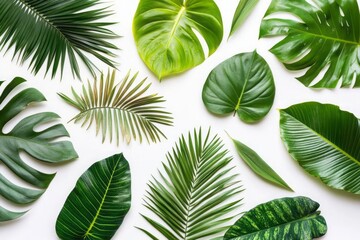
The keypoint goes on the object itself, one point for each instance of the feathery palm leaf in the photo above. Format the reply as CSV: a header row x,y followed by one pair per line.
x,y
120,109
192,201
54,30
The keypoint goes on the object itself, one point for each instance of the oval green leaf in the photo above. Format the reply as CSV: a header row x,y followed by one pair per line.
x,y
242,84
97,205
165,33
258,165
325,141
243,10
286,218
325,37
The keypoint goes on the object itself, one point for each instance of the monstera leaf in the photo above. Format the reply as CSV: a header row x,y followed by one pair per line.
x,y
97,205
325,141
286,218
326,37
41,145
242,84
165,33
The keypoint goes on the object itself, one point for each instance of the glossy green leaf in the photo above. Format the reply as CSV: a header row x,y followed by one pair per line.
x,y
286,218
41,145
97,205
165,33
243,10
242,84
258,165
324,37
121,109
192,198
46,33
325,141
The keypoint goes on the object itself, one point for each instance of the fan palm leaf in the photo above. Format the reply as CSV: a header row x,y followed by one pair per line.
x,y
192,200
48,32
120,109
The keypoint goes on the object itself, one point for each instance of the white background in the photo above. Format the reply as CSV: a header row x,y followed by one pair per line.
x,y
183,94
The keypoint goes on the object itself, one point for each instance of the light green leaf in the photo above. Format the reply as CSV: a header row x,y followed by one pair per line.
x,y
41,145
242,84
165,33
258,165
326,37
325,141
286,218
192,198
98,204
243,10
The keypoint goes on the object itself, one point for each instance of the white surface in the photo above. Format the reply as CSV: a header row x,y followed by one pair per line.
x,y
183,94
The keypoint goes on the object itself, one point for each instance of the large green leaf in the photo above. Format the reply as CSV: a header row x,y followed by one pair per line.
x,y
41,145
242,11
48,32
325,36
165,33
192,197
120,109
242,84
286,218
97,205
325,141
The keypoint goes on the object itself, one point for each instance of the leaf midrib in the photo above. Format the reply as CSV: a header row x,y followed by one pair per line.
x,y
176,24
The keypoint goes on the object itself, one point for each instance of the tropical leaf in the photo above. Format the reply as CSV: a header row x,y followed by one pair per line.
x,y
48,32
286,218
243,10
120,109
325,141
165,33
258,165
41,145
325,38
97,205
242,84
192,201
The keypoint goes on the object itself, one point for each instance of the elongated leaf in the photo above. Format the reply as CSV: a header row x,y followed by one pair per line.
x,y
165,33
120,109
243,10
326,37
41,145
258,165
242,84
97,205
48,32
192,197
286,218
325,141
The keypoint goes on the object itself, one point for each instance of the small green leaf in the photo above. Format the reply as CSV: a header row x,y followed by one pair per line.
x,y
258,165
243,10
286,218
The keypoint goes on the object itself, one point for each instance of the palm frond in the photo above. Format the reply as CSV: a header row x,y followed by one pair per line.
x,y
120,109
48,32
193,201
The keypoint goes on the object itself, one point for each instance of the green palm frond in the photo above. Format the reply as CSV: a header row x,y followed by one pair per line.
x,y
120,109
46,32
193,201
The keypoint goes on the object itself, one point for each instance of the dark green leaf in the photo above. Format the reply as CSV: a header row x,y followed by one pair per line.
x,y
326,37
164,32
243,10
286,218
325,141
97,205
194,194
242,84
41,145
258,165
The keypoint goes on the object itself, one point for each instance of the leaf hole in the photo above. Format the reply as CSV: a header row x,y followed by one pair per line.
x,y
202,41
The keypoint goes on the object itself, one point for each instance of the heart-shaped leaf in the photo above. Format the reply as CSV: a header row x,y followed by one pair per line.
x,y
242,84
165,33
97,205
286,218
325,141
